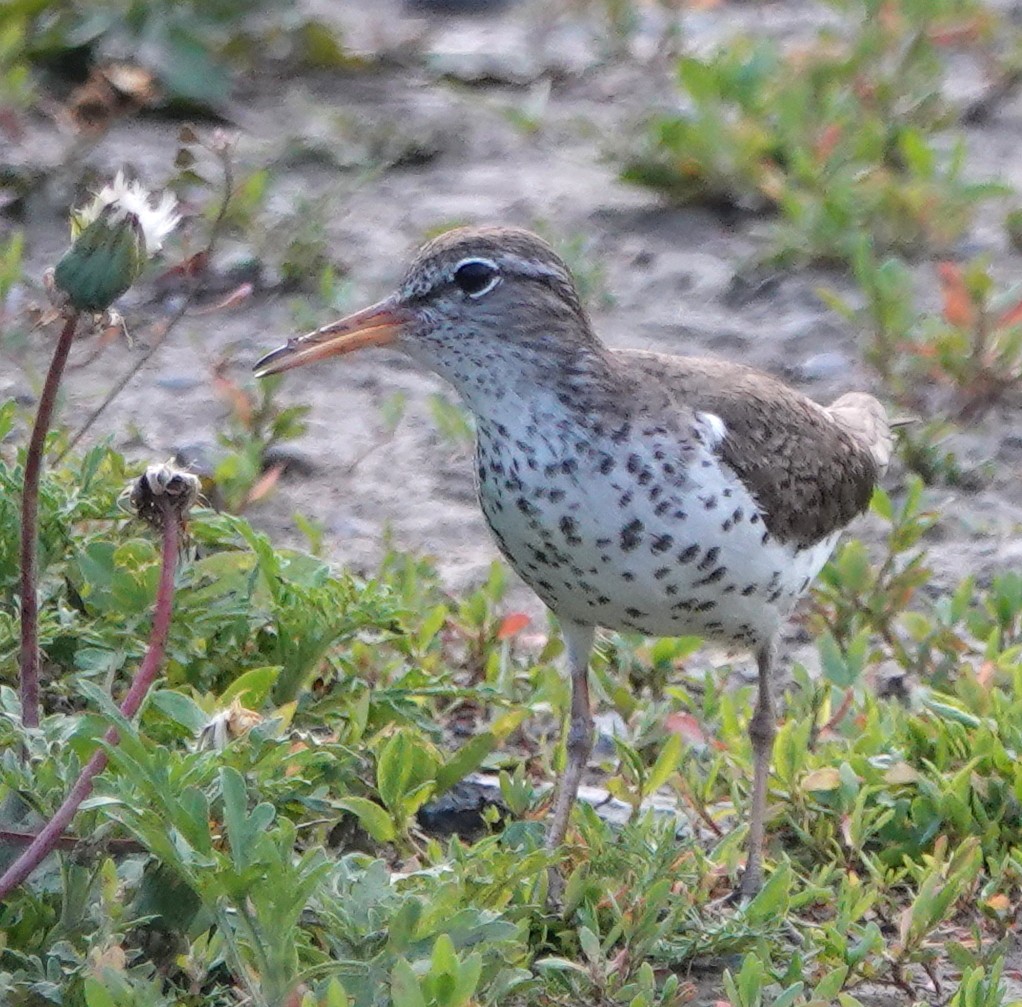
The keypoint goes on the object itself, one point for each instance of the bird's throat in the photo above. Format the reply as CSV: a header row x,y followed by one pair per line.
x,y
515,386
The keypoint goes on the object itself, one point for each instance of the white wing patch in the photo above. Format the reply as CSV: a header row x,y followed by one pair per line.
x,y
712,428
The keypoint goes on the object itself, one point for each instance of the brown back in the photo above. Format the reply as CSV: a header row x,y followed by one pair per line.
x,y
811,472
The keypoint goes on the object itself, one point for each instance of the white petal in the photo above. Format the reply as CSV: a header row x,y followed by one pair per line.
x,y
129,197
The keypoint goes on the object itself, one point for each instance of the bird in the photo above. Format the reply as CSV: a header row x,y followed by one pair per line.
x,y
635,491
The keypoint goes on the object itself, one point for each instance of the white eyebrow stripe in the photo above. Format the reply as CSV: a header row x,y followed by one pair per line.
x,y
530,267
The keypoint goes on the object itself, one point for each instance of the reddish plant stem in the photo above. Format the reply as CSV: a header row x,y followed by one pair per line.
x,y
118,847
29,518
49,837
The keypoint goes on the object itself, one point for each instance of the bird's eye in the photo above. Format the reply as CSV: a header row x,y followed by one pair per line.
x,y
476,277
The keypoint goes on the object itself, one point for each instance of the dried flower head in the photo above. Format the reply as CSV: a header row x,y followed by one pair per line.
x,y
111,239
163,491
225,725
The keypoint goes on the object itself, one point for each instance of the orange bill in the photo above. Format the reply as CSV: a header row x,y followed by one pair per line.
x,y
373,326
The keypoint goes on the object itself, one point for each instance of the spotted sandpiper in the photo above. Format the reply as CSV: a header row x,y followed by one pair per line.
x,y
638,491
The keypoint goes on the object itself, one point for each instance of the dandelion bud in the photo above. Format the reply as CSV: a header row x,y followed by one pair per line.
x,y
103,262
111,239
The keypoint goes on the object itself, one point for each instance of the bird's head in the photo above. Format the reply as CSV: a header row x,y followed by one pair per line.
x,y
471,298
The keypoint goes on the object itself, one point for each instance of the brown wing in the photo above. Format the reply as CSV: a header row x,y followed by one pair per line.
x,y
808,473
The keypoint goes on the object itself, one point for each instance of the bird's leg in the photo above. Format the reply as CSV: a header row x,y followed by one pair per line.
x,y
578,641
762,730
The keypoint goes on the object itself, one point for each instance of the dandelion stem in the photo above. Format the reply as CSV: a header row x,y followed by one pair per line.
x,y
29,518
49,837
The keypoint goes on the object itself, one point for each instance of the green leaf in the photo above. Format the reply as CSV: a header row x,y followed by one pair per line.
x,y
881,504
835,667
180,708
336,995
443,958
373,818
590,945
245,832
404,924
467,981
831,984
666,763
404,986
187,67
470,756
553,964
96,995
771,903
789,996
943,708
252,687
194,820
403,765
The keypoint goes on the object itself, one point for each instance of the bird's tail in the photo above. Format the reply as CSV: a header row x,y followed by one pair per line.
x,y
865,419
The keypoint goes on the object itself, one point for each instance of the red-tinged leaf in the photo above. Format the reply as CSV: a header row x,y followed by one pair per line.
x,y
512,624
999,904
235,396
687,726
194,265
891,18
264,484
1013,316
965,32
958,307
985,675
296,996
827,141
11,125
232,300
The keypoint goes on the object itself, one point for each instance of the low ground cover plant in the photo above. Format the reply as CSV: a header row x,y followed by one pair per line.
x,y
847,135
257,831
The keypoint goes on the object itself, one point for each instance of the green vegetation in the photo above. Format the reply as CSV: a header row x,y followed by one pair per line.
x,y
190,49
841,137
258,856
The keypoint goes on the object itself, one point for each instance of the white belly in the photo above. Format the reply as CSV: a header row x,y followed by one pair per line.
x,y
640,539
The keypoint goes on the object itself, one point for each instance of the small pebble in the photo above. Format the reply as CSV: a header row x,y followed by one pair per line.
x,y
820,366
177,382
608,727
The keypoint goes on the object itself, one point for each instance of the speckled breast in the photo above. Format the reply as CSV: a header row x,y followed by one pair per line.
x,y
641,529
